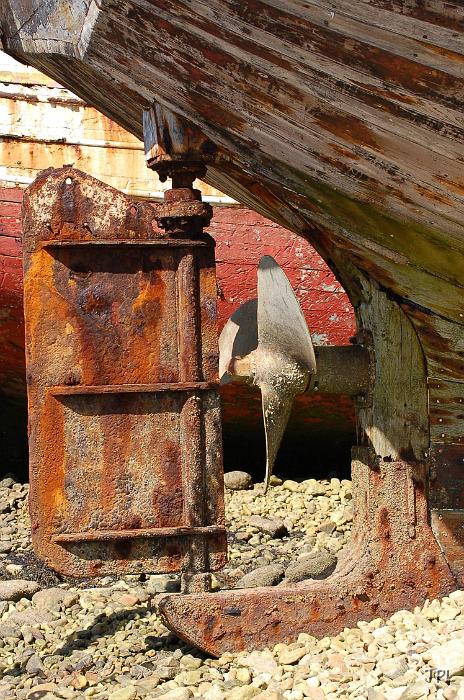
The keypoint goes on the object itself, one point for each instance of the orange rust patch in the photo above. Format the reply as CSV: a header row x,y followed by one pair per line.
x,y
347,127
457,187
344,151
435,196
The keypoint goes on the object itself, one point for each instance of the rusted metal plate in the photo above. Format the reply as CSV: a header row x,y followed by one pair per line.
x,y
447,476
125,442
394,563
448,527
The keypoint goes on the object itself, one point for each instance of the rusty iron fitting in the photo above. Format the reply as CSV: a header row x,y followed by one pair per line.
x,y
182,212
184,218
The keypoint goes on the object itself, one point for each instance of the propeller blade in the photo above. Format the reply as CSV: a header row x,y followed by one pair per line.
x,y
277,407
238,338
281,324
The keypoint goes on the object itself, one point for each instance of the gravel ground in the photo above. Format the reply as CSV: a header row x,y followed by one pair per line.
x,y
103,639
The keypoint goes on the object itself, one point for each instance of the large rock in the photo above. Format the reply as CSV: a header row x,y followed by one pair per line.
x,y
263,576
55,599
31,616
274,527
15,590
317,565
238,481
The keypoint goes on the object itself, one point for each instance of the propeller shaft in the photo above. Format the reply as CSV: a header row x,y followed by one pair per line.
x,y
342,370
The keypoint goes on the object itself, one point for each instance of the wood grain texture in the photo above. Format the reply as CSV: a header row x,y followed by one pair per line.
x,y
446,408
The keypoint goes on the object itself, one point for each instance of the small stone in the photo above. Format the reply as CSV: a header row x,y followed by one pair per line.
x,y
191,663
163,583
15,590
242,536
292,486
449,656
38,692
127,693
244,676
415,691
274,527
34,665
448,613
31,616
291,656
244,692
84,664
259,663
393,668
450,693
176,694
457,597
5,546
127,600
79,681
9,629
166,673
191,677
14,569
262,576
238,481
316,566
327,527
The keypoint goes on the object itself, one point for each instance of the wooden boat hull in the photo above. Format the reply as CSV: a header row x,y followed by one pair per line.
x,y
340,120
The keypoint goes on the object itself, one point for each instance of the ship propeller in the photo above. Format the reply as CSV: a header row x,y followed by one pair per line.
x,y
267,343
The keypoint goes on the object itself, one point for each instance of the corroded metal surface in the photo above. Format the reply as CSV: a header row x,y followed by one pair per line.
x,y
395,562
125,442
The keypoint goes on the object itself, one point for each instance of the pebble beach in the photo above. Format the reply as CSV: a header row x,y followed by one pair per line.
x,y
103,639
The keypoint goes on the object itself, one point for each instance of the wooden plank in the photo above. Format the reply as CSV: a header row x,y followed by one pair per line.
x,y
395,423
446,409
442,342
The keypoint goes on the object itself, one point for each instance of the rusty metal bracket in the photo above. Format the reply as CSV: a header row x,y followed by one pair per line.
x,y
394,562
125,437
